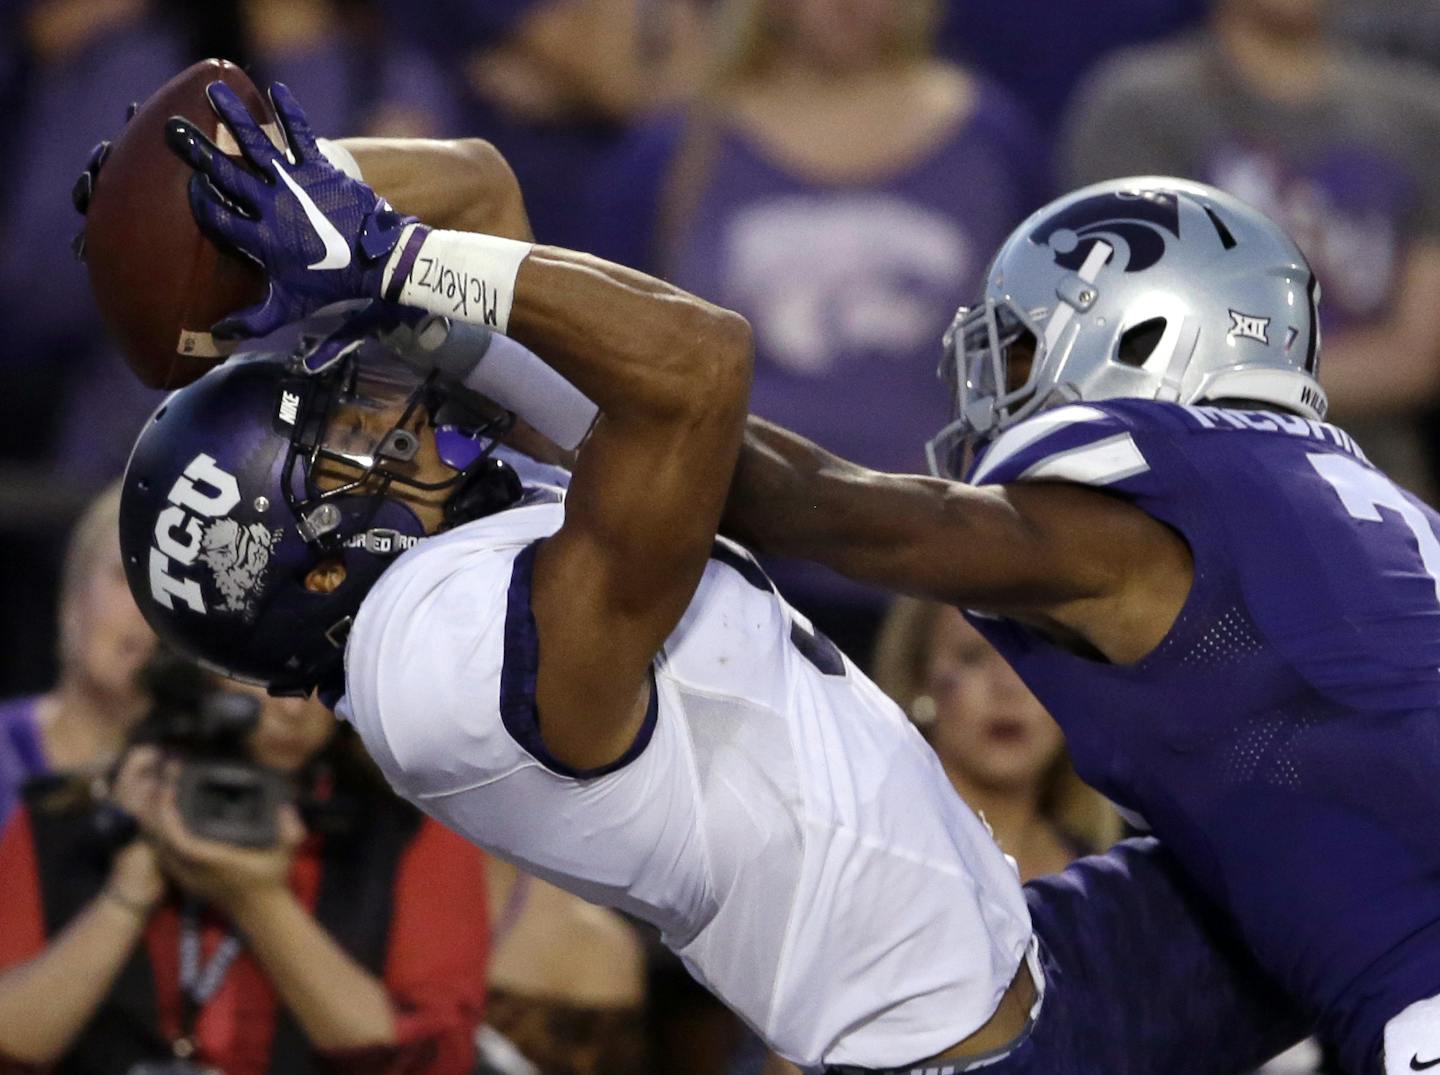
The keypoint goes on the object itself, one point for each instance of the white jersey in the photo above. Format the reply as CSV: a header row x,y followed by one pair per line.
x,y
779,820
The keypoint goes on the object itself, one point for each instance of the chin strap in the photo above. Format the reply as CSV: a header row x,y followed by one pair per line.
x,y
383,541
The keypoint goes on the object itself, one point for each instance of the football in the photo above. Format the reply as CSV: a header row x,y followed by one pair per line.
x,y
158,282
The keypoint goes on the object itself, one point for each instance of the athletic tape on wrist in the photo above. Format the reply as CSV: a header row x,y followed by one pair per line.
x,y
514,377
508,373
461,275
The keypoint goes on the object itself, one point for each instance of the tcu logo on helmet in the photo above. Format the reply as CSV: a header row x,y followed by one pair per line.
x,y
202,493
1133,222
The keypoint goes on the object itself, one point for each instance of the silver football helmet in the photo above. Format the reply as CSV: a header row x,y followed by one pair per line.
x,y
1148,288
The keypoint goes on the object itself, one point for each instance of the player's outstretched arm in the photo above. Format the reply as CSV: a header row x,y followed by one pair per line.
x,y
669,373
1071,561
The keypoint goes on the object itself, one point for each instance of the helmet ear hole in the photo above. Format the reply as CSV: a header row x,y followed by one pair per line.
x,y
1138,342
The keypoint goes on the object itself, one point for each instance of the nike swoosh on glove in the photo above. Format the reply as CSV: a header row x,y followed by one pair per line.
x,y
321,236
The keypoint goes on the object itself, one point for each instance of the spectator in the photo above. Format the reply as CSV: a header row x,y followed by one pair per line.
x,y
80,725
1039,49
841,188
554,83
1342,150
1002,751
1404,29
66,403
364,940
352,76
567,984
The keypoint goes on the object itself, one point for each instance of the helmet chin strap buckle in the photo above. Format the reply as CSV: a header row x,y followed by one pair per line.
x,y
319,521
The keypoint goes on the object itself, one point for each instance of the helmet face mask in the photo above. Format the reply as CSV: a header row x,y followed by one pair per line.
x,y
244,482
1147,288
990,365
360,431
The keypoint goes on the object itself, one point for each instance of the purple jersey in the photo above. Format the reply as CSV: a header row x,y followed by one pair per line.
x,y
1284,738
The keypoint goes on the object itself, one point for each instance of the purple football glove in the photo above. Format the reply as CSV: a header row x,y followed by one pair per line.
x,y
321,236
84,188
327,341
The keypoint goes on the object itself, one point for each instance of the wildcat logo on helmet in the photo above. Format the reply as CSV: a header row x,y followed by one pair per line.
x,y
1133,222
196,526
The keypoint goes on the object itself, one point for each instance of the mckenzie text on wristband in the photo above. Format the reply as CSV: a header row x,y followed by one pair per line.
x,y
459,274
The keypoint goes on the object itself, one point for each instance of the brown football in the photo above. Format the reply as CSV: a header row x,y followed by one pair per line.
x,y
159,283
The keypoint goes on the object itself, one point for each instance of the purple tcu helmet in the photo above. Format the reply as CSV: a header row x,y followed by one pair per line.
x,y
222,517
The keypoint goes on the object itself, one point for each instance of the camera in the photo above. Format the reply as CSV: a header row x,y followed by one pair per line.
x,y
222,794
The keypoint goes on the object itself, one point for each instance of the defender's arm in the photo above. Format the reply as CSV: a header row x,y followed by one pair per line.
x,y
1071,561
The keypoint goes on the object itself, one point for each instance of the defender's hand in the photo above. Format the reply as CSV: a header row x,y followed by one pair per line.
x,y
84,188
322,236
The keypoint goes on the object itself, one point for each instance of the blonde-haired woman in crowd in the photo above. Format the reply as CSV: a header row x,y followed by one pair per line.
x,y
1003,752
841,186
81,723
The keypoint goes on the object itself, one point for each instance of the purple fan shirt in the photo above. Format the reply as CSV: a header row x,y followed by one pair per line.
x,y
848,286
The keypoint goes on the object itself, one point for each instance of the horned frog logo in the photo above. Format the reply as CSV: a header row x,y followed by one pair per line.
x,y
237,556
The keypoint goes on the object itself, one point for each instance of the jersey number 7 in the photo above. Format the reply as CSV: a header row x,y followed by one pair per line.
x,y
1364,492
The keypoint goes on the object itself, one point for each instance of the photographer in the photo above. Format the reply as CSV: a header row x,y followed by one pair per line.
x,y
79,725
355,941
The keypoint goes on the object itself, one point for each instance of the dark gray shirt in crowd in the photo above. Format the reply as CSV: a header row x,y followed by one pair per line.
x,y
1406,29
1353,174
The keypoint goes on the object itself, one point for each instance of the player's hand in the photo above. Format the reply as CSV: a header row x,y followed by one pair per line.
x,y
84,187
322,236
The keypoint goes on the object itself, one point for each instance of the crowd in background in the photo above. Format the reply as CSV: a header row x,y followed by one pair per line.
x,y
836,170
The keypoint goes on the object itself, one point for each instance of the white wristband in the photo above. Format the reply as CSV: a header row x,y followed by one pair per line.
x,y
456,273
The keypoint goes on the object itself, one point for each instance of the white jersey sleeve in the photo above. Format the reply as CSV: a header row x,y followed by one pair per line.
x,y
778,819
440,682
